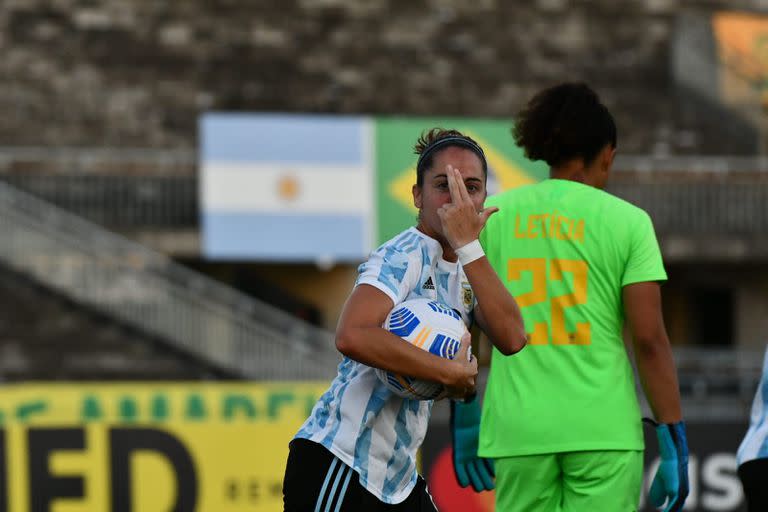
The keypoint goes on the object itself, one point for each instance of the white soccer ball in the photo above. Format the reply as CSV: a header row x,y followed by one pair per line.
x,y
431,326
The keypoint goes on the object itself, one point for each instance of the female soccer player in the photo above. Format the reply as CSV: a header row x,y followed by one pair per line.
x,y
561,419
357,450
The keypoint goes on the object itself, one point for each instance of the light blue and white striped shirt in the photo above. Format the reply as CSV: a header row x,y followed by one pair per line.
x,y
755,443
359,419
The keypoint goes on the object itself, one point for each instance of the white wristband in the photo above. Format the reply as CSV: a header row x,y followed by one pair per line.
x,y
470,252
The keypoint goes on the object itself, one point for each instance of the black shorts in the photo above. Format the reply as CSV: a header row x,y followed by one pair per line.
x,y
315,479
754,475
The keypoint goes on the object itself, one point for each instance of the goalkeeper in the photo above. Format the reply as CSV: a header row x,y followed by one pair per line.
x,y
561,419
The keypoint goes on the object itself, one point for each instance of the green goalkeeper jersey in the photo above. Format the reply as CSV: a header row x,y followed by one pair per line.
x,y
565,250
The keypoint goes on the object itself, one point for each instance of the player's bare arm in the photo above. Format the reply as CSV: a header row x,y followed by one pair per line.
x,y
497,312
359,336
653,354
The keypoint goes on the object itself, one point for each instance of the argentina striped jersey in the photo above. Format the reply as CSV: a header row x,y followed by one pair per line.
x,y
755,443
359,419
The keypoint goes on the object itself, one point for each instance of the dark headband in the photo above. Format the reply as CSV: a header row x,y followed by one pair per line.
x,y
450,141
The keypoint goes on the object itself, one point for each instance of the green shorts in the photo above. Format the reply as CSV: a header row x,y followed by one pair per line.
x,y
594,481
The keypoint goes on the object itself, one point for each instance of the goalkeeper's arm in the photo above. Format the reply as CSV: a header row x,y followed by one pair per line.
x,y
653,355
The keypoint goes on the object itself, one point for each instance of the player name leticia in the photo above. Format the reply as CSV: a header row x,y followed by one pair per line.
x,y
550,225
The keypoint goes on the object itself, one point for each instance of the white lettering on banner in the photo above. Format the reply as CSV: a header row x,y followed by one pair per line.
x,y
692,503
716,489
693,482
719,474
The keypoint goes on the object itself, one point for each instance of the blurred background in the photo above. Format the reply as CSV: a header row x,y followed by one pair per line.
x,y
187,188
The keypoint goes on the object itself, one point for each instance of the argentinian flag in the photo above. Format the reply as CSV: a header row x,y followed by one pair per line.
x,y
278,187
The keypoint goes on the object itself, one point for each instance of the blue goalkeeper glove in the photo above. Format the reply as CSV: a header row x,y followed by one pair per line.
x,y
671,481
465,431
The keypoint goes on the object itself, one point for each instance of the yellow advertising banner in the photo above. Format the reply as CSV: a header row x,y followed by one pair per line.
x,y
129,447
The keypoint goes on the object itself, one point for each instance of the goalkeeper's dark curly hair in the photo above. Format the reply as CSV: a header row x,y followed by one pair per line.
x,y
564,122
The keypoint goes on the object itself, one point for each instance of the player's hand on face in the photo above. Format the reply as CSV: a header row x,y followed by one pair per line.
x,y
461,222
463,382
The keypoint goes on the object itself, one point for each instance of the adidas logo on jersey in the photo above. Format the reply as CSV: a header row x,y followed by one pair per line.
x,y
428,284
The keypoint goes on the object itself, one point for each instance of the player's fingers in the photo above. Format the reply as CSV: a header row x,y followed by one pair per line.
x,y
656,493
461,474
674,505
486,213
485,476
450,175
465,344
490,467
477,482
473,364
461,187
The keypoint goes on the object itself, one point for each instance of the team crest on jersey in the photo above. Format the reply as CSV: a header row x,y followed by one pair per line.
x,y
468,295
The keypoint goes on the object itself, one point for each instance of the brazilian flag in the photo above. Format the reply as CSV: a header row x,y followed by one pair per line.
x,y
396,163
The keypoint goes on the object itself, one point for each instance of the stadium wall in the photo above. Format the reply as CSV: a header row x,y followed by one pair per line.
x,y
137,74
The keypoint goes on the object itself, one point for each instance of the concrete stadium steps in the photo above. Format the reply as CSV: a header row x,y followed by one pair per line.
x,y
138,76
44,336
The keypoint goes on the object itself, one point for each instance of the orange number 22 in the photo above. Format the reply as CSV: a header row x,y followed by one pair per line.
x,y
540,335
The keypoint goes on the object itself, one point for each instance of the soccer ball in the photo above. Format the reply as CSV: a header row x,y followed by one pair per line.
x,y
431,326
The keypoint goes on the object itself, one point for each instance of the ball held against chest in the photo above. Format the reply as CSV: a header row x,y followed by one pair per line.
x,y
431,326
